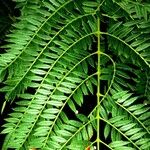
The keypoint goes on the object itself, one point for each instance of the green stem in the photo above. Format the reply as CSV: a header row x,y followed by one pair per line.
x,y
98,86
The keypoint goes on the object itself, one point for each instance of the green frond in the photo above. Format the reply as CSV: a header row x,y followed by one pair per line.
x,y
41,71
140,50
47,41
129,120
61,51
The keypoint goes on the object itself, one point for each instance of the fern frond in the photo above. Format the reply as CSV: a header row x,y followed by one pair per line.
x,y
133,127
59,52
136,52
24,43
129,29
56,63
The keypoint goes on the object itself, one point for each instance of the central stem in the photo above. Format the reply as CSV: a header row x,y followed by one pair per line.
x,y
98,85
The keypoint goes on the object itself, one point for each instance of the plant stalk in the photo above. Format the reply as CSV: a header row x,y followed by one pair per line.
x,y
98,86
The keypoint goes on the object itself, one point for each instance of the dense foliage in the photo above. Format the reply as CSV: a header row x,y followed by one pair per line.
x,y
60,52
